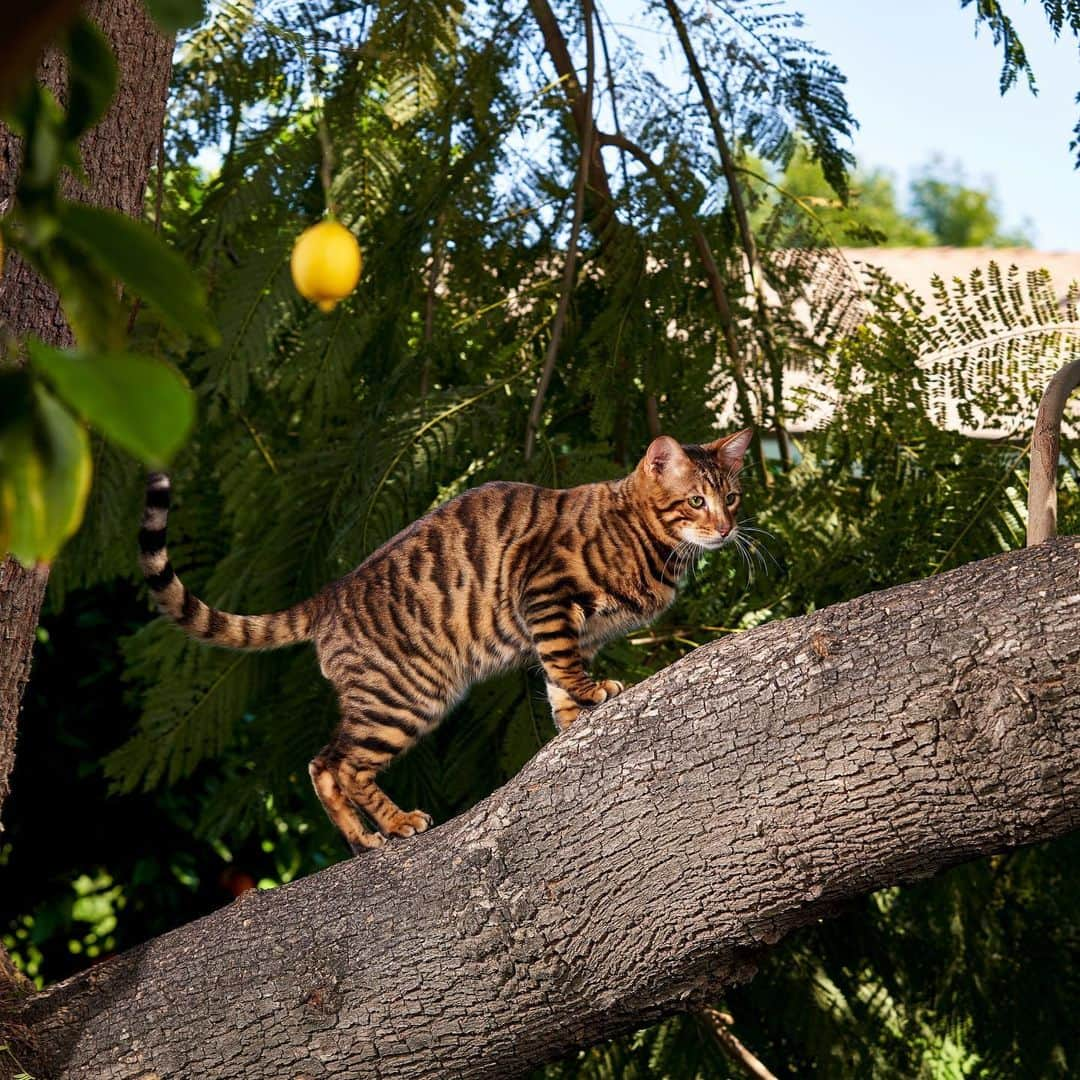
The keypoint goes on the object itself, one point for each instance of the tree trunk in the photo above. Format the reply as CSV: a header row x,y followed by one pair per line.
x,y
117,155
641,862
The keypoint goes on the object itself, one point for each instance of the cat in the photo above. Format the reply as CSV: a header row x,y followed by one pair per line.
x,y
502,576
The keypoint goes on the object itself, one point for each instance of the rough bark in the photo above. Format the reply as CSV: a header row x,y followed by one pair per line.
x,y
117,155
641,862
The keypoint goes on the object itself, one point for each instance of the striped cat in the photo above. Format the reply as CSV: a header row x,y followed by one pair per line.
x,y
502,576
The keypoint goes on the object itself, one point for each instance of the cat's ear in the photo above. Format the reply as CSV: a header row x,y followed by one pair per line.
x,y
664,458
731,449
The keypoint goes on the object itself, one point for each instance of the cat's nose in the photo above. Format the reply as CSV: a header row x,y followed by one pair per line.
x,y
724,530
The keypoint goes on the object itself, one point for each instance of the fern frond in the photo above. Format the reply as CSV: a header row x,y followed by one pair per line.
x,y
994,344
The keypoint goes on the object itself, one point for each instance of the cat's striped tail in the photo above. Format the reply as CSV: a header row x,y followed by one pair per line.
x,y
196,618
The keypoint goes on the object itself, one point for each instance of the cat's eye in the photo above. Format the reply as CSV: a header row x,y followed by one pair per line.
x,y
696,501
731,498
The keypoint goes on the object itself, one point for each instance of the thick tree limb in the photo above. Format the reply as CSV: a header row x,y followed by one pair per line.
x,y
641,861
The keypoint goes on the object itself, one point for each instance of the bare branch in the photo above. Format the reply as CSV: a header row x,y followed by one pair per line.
x,y
746,233
537,410
1045,442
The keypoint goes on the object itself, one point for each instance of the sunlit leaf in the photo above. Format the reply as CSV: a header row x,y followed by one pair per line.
x,y
151,270
45,471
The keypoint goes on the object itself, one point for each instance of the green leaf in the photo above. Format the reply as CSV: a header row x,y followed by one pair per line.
x,y
39,121
92,77
137,402
132,252
88,294
173,15
45,471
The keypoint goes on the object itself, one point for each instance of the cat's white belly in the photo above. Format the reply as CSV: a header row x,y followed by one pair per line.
x,y
601,628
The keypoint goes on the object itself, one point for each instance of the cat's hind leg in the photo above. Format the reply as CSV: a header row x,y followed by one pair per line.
x,y
358,782
377,724
323,772
385,708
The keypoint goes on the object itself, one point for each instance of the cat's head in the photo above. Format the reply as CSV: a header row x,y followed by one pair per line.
x,y
693,492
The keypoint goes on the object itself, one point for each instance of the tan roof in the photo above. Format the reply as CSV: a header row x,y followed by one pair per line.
x,y
1002,382
916,266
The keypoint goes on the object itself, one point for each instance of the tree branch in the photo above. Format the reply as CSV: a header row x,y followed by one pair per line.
x,y
742,220
552,353
720,1025
717,289
641,862
600,204
1045,454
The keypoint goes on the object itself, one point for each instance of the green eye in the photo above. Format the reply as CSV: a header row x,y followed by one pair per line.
x,y
731,498
696,501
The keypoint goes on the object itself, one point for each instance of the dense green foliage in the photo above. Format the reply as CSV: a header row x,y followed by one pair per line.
x,y
320,436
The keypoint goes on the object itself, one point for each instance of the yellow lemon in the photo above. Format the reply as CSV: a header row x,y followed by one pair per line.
x,y
325,264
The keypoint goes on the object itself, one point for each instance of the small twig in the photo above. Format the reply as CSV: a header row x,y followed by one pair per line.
x,y
314,67
572,246
256,438
326,170
22,1073
720,1025
613,97
712,275
742,220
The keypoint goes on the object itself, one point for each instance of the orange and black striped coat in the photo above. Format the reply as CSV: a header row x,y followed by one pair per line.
x,y
501,576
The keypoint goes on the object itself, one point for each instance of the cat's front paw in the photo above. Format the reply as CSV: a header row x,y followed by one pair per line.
x,y
365,842
416,821
611,688
598,692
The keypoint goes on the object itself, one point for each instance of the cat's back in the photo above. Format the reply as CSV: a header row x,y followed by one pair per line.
x,y
447,583
461,542
479,529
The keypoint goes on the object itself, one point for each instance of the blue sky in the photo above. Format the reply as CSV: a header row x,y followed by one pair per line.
x,y
921,84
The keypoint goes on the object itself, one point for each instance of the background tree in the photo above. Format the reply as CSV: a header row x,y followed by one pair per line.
x,y
957,214
941,208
